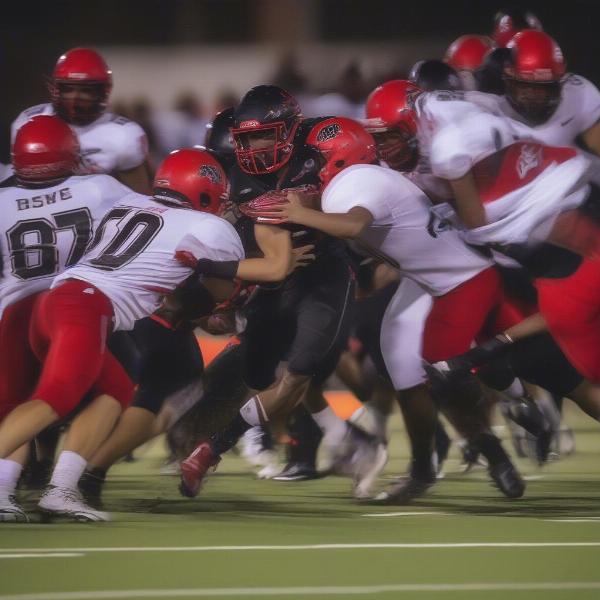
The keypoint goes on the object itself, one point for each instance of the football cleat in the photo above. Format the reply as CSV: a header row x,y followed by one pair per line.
x,y
90,485
405,490
363,457
507,479
297,471
258,452
66,502
11,511
195,468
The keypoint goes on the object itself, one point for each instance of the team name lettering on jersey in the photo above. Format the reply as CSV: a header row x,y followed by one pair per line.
x,y
44,199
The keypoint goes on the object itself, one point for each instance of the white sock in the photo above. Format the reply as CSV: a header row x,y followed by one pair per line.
x,y
253,412
515,390
10,471
330,423
69,468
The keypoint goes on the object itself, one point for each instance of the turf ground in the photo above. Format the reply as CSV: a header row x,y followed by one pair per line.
x,y
247,538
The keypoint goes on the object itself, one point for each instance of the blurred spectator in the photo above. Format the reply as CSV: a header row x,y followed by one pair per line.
x,y
189,106
348,99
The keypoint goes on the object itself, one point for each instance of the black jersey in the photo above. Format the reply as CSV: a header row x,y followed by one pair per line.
x,y
302,169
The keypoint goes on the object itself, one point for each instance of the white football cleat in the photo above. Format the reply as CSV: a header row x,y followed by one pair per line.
x,y
11,511
255,453
69,503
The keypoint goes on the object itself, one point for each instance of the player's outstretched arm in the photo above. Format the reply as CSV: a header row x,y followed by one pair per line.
x,y
343,225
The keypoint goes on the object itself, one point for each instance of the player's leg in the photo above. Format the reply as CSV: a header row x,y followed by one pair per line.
x,y
112,391
454,322
169,361
401,341
18,372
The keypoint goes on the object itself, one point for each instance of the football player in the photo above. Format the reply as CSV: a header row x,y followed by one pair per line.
x,y
48,220
512,194
79,88
305,319
389,216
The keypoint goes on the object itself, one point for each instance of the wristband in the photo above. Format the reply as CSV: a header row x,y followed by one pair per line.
x,y
226,269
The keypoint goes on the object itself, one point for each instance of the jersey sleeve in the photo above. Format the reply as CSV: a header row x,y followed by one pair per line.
x,y
461,134
354,187
215,239
586,100
133,146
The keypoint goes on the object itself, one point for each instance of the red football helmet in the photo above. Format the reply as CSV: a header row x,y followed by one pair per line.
x,y
508,24
392,120
341,142
468,51
45,148
534,75
191,178
466,54
80,86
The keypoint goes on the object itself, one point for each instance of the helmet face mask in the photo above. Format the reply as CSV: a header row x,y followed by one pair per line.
x,y
397,147
262,149
535,102
264,125
79,104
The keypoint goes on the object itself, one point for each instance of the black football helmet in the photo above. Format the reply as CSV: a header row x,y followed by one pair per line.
x,y
218,137
489,77
264,126
432,75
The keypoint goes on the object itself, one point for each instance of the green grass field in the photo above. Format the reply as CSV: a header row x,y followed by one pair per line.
x,y
247,538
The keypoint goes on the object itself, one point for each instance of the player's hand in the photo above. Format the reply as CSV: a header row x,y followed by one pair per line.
x,y
302,257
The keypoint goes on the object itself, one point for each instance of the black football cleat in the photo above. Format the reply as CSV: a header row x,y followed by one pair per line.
x,y
91,484
507,479
406,489
297,471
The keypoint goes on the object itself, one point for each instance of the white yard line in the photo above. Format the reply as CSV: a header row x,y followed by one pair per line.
x,y
42,555
398,546
309,591
575,520
403,514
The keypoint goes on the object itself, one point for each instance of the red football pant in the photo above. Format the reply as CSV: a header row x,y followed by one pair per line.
x,y
474,308
68,335
18,365
571,307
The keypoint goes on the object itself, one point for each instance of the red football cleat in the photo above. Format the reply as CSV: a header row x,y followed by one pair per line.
x,y
195,467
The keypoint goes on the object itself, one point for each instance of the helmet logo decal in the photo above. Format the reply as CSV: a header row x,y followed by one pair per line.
x,y
248,124
328,132
210,173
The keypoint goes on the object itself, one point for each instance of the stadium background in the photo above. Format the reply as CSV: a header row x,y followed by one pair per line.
x,y
198,53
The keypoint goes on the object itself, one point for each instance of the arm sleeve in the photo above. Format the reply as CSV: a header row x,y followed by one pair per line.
x,y
133,147
356,188
588,101
214,239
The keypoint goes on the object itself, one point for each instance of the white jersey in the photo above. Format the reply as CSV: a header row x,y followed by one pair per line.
x,y
44,230
523,185
578,110
132,257
405,232
108,145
